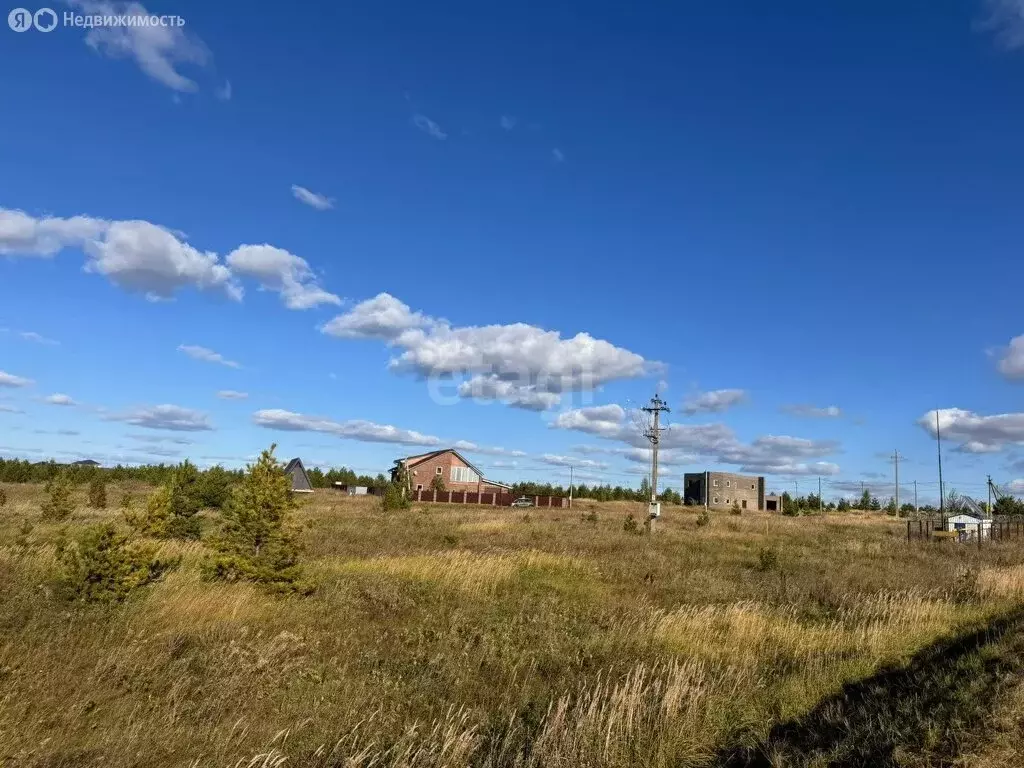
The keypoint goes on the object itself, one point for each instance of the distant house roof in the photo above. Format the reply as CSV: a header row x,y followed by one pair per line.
x,y
300,480
412,461
85,463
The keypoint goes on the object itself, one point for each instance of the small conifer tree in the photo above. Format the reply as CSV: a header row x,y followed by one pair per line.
x,y
256,541
58,505
171,511
437,484
97,492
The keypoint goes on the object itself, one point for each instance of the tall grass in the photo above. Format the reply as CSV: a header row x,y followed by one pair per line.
x,y
450,636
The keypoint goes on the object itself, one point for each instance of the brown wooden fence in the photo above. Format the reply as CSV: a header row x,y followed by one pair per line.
x,y
485,499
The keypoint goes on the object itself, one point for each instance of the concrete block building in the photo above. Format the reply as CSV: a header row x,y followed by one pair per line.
x,y
723,489
458,473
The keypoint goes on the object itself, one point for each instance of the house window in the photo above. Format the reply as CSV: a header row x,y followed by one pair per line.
x,y
744,503
463,475
716,499
419,487
714,483
439,471
751,486
728,484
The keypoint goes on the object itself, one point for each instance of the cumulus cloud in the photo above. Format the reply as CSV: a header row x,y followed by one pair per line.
x,y
716,401
10,380
24,235
769,454
145,258
1011,365
9,409
206,355
356,429
522,365
230,394
429,127
813,411
171,417
59,399
312,199
976,433
278,270
157,50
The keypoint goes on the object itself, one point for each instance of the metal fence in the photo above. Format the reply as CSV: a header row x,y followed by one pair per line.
x,y
1005,529
485,499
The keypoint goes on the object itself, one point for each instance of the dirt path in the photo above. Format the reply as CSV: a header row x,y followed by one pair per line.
x,y
935,711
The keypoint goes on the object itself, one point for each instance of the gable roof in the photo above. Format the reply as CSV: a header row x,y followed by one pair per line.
x,y
300,480
412,461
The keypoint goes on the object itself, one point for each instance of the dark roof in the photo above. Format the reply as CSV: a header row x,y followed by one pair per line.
x,y
300,480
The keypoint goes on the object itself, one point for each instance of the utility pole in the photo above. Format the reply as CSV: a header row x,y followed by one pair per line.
x,y
917,510
570,486
819,494
989,486
653,433
938,442
896,464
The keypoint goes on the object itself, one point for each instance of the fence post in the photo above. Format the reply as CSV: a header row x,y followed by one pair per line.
x,y
980,529
908,531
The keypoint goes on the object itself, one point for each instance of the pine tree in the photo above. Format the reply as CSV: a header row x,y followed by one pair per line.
x,y
97,492
59,505
255,541
437,484
865,500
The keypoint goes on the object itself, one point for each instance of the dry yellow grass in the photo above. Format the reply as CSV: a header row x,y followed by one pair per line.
x,y
445,636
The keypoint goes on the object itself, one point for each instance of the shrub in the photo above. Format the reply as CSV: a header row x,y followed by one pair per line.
x,y
630,525
59,504
104,565
767,559
437,484
97,492
735,509
3,497
255,541
212,488
703,518
590,517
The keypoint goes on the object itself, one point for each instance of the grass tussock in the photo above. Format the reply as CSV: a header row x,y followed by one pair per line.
x,y
450,636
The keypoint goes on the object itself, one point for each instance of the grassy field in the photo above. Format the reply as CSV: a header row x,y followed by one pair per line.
x,y
455,636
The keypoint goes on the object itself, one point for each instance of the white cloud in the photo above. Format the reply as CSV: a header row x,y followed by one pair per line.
x,y
145,258
469,447
10,380
24,235
1012,363
357,429
572,461
278,270
770,454
230,394
206,355
813,411
975,433
156,49
172,417
9,409
312,199
716,401
508,122
429,127
1016,486
38,338
1006,20
558,155
59,399
224,92
161,439
382,317
522,365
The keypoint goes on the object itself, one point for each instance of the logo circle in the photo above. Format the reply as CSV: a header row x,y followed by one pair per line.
x,y
41,20
20,20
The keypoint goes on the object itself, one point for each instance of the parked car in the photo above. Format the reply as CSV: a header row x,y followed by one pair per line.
x,y
522,501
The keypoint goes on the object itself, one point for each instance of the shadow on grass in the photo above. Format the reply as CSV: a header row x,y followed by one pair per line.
x,y
917,714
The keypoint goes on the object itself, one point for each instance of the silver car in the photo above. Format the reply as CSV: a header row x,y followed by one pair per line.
x,y
522,501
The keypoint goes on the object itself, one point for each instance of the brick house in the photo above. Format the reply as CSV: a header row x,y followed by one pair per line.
x,y
448,464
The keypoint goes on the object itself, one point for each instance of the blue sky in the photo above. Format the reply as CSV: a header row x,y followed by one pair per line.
x,y
801,223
